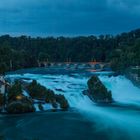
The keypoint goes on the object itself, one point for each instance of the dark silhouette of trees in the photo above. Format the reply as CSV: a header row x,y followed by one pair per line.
x,y
24,52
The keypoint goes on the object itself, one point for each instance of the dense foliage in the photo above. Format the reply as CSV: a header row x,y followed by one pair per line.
x,y
36,91
98,91
125,57
17,103
20,107
24,52
39,92
14,91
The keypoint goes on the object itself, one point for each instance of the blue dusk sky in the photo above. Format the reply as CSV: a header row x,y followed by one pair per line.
x,y
68,17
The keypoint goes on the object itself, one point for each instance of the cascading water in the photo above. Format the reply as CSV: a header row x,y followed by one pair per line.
x,y
125,115
123,89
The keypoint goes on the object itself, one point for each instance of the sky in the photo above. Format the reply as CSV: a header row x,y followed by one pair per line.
x,y
68,17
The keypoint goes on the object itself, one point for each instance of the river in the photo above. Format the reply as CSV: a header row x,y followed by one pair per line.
x,y
85,119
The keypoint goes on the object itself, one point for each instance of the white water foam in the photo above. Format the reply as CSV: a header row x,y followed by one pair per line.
x,y
123,91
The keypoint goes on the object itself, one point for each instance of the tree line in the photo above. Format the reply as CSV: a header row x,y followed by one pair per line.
x,y
24,52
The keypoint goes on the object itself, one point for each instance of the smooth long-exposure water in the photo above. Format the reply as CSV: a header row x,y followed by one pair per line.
x,y
85,119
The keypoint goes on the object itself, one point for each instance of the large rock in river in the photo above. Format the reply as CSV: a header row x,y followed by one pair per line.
x,y
20,106
98,92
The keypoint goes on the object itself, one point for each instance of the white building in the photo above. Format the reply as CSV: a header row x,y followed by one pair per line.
x,y
2,85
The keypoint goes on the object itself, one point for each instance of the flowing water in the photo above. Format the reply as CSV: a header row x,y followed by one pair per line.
x,y
85,119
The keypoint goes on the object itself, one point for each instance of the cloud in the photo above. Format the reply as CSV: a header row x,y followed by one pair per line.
x,y
68,17
130,6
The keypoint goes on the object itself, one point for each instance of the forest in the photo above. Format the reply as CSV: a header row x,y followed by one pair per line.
x,y
121,51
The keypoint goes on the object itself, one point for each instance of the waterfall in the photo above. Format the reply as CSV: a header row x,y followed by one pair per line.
x,y
125,117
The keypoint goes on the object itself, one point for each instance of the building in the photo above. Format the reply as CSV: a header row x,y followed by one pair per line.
x,y
2,84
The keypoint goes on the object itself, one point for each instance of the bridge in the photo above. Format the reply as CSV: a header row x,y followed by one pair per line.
x,y
97,66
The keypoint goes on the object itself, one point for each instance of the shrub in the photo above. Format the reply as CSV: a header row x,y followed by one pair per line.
x,y
14,91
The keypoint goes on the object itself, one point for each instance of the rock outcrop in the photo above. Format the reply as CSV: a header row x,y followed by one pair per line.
x,y
40,92
98,92
17,102
16,107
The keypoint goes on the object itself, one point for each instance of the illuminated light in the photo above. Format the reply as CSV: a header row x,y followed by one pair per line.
x,y
19,97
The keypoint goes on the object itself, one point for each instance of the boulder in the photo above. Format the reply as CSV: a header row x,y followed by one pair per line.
x,y
62,101
38,91
98,92
17,107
